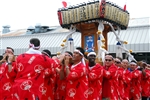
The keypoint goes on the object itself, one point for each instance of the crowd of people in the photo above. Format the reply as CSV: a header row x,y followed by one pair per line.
x,y
35,75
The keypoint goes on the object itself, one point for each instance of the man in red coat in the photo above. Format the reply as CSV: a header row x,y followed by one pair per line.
x,y
135,89
77,81
118,63
6,82
110,80
95,77
29,73
61,81
126,79
50,78
145,82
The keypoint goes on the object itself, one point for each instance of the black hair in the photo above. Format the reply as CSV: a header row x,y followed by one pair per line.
x,y
10,48
48,52
81,50
119,58
69,53
35,41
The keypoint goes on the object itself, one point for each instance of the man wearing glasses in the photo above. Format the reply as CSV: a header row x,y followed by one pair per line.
x,y
110,83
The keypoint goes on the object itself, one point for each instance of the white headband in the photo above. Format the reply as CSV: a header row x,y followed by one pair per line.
x,y
133,63
79,52
83,61
91,53
32,45
69,54
9,51
45,53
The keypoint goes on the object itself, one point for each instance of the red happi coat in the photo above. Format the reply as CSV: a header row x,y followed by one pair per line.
x,y
77,83
120,84
57,93
60,93
146,84
29,73
135,89
49,81
95,78
6,82
110,83
126,83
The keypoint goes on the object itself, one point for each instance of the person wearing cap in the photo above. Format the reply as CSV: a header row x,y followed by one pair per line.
x,y
110,79
6,81
61,81
135,89
77,81
29,73
50,77
95,77
126,79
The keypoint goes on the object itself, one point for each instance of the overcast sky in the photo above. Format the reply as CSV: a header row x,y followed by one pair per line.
x,y
21,14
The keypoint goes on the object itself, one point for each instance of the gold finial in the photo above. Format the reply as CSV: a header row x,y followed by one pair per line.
x,y
99,32
125,42
103,46
58,53
62,45
130,51
103,40
64,40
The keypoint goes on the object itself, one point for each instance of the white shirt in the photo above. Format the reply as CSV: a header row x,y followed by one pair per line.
x,y
33,51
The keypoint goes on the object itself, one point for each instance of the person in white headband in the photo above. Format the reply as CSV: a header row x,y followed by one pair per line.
x,y
7,63
35,70
34,46
47,53
135,83
133,65
91,53
95,75
34,43
82,54
76,76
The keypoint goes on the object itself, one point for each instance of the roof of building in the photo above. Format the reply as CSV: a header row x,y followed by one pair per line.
x,y
137,35
48,41
137,22
138,39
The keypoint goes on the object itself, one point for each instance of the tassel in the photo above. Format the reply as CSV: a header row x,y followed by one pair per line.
x,y
101,42
65,41
70,45
118,50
